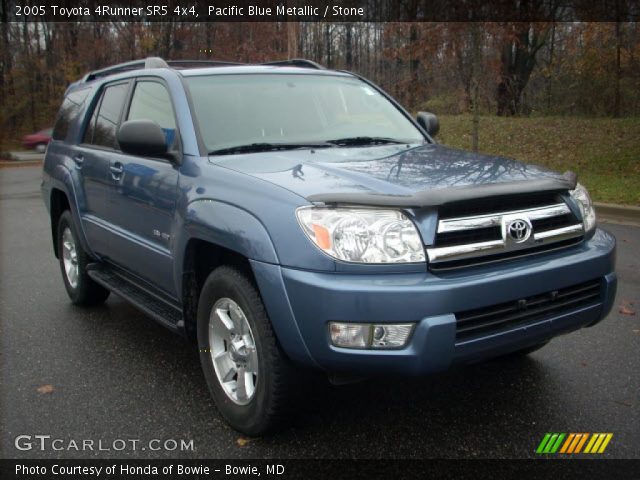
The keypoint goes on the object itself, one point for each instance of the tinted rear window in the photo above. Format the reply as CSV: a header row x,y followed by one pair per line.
x,y
68,112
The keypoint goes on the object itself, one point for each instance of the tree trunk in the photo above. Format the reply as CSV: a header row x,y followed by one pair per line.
x,y
518,61
414,65
292,40
616,98
475,81
349,47
327,40
550,67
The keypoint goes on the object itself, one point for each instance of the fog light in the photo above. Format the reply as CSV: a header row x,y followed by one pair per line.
x,y
364,335
350,335
390,336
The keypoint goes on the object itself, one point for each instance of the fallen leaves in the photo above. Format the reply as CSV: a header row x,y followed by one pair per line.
x,y
45,389
626,308
242,441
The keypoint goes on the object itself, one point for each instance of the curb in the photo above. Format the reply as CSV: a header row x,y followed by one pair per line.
x,y
20,163
613,213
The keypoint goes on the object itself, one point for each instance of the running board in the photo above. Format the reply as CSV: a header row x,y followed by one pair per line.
x,y
154,304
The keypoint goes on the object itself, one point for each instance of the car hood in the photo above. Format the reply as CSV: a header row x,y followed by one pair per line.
x,y
401,175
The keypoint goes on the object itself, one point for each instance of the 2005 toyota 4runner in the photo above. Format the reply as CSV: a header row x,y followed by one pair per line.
x,y
289,216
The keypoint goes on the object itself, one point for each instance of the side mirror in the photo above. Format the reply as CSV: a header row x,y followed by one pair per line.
x,y
429,122
142,137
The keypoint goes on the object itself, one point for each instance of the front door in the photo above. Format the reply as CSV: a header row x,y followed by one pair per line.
x,y
143,196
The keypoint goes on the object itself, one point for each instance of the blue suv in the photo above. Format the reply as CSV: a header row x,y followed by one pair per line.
x,y
292,218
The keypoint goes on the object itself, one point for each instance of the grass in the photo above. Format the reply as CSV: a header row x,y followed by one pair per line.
x,y
605,153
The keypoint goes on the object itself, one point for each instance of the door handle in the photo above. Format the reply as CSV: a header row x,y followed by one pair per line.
x,y
116,170
79,159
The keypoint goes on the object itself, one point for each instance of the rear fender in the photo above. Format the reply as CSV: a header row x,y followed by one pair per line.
x,y
61,178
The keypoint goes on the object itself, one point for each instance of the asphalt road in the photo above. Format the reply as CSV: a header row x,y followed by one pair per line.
x,y
117,375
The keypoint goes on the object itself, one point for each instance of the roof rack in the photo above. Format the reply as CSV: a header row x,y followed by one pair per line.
x,y
295,62
157,62
149,62
201,63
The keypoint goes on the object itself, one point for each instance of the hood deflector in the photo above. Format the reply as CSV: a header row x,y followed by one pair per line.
x,y
442,196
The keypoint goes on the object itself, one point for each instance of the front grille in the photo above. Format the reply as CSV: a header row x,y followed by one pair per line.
x,y
482,206
545,224
462,237
464,240
497,318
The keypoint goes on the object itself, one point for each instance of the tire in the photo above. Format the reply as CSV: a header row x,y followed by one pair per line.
x,y
41,147
249,346
81,288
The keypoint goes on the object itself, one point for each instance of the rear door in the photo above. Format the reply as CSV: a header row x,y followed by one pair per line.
x,y
92,157
143,194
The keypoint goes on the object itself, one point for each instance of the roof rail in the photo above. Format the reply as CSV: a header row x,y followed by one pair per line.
x,y
157,62
296,62
149,62
201,63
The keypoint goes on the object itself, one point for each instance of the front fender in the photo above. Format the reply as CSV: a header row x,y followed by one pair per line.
x,y
235,229
227,226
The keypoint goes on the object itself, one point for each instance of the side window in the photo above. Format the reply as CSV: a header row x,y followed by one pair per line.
x,y
104,121
91,126
151,101
68,112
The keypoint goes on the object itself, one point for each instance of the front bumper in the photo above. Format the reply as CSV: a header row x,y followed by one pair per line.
x,y
301,303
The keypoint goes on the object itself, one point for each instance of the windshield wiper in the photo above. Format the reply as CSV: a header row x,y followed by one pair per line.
x,y
267,147
364,141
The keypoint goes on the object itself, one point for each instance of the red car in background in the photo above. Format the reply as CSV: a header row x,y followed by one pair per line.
x,y
38,141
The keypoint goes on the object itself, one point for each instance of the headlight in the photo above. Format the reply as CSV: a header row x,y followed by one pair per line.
x,y
585,204
362,235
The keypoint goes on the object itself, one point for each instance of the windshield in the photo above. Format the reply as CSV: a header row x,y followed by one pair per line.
x,y
236,110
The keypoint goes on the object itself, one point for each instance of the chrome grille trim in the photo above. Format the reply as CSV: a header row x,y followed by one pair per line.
x,y
504,245
495,219
559,234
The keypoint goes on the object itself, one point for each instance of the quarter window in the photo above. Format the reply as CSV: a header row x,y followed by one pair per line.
x,y
68,111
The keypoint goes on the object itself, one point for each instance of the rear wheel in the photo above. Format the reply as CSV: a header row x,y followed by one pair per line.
x,y
249,377
73,264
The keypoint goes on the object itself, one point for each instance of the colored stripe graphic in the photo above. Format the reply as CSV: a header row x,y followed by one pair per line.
x,y
543,443
581,443
577,439
555,447
606,442
550,443
598,443
594,437
567,443
572,443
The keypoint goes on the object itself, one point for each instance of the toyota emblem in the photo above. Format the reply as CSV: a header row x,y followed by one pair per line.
x,y
519,230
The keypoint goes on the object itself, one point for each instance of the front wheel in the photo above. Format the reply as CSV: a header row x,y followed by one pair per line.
x,y
249,377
